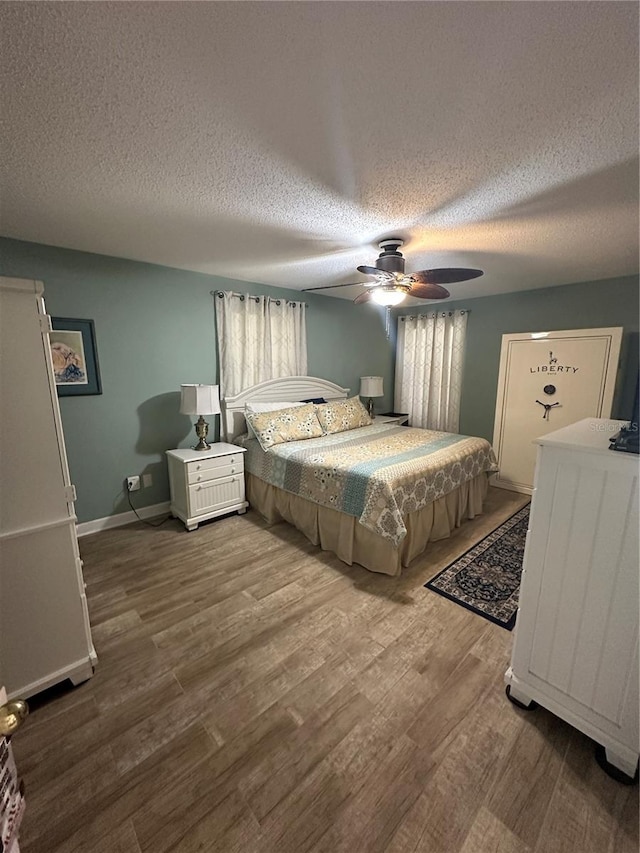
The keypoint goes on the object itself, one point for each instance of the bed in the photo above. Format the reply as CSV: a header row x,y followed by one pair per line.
x,y
374,494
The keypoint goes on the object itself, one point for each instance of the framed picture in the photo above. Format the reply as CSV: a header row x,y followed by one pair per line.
x,y
74,356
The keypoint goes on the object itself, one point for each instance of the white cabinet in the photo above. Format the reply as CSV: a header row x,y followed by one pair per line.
x,y
44,623
576,642
206,483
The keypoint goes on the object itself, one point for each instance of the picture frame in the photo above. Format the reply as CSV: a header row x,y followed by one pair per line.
x,y
75,357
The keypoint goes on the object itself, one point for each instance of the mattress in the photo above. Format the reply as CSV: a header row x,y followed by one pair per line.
x,y
378,474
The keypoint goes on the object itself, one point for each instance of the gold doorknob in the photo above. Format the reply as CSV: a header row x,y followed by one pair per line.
x,y
12,716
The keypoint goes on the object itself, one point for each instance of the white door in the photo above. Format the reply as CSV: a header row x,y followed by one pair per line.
x,y
549,380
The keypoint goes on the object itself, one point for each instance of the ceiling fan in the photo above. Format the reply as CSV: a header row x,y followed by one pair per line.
x,y
391,284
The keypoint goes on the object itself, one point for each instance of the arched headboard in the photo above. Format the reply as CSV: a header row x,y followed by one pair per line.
x,y
288,389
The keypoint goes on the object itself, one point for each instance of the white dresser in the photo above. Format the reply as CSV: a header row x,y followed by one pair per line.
x,y
206,483
45,635
576,642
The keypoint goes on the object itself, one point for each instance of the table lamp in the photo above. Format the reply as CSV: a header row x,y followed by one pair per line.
x,y
371,386
200,400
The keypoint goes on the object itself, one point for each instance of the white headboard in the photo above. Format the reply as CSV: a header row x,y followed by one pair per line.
x,y
289,388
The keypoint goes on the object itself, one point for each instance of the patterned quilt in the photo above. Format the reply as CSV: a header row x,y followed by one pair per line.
x,y
377,473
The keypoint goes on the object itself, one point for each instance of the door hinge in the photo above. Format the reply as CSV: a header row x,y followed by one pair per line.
x,y
70,494
45,323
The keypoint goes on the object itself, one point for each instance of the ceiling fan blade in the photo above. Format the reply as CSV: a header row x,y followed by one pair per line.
x,y
363,297
389,276
447,275
428,291
331,286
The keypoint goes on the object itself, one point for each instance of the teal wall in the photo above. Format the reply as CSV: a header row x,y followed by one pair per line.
x,y
594,304
155,329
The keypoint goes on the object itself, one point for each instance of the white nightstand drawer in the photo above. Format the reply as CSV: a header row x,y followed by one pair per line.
x,y
216,494
215,462
225,469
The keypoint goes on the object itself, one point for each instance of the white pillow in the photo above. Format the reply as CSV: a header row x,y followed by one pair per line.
x,y
259,408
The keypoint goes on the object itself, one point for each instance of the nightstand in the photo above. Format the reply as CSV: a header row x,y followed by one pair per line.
x,y
392,418
206,483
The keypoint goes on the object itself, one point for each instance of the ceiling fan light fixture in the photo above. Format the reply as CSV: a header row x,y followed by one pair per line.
x,y
391,284
390,294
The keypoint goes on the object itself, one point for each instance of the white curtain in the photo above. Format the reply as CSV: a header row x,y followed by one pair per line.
x,y
429,357
259,338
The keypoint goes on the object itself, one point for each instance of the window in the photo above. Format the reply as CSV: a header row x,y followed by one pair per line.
x,y
259,338
429,357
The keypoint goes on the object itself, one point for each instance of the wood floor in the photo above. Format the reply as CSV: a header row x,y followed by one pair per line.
x,y
256,694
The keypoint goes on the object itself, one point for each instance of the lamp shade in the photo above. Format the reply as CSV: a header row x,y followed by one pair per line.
x,y
389,295
371,386
199,400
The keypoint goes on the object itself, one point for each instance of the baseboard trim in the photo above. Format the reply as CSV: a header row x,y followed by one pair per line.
x,y
78,671
121,519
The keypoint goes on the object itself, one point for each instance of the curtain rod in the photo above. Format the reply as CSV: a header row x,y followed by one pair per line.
x,y
435,314
243,296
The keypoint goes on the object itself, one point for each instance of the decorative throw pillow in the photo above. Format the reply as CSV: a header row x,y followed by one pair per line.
x,y
293,424
341,415
265,407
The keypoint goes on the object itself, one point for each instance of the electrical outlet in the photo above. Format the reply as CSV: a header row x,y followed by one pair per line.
x,y
133,484
147,480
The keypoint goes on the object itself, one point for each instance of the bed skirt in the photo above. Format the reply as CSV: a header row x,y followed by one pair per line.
x,y
350,541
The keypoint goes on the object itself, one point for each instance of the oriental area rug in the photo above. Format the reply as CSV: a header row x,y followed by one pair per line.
x,y
486,579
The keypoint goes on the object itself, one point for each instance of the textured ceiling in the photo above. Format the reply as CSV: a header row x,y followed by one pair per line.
x,y
278,142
